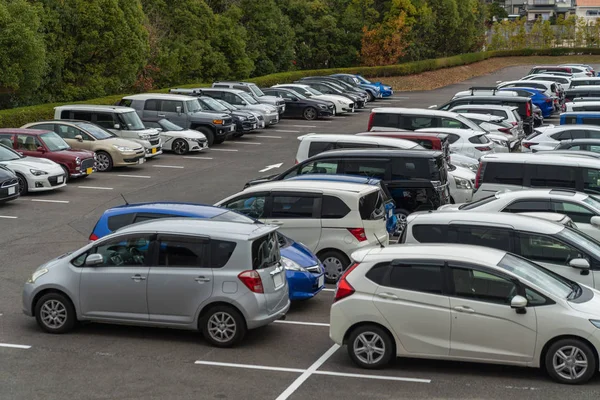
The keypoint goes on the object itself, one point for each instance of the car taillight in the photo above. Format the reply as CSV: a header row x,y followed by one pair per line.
x,y
548,100
358,233
370,125
528,145
252,281
93,237
295,161
344,288
479,175
514,123
528,109
505,130
484,148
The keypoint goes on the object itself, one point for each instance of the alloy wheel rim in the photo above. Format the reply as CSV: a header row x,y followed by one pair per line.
x,y
369,348
221,327
53,314
21,184
310,113
333,267
179,147
102,162
570,362
401,222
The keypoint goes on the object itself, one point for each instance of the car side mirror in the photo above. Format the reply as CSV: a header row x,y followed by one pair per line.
x,y
79,138
294,99
243,103
519,303
40,149
117,126
178,109
432,107
580,263
94,259
595,222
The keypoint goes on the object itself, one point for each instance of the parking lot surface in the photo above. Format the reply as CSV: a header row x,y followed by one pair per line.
x,y
292,359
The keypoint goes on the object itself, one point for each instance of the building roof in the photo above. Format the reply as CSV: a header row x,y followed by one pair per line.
x,y
588,3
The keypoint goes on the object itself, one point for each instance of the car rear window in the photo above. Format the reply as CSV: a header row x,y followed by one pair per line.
x,y
118,221
319,147
417,168
265,251
232,216
479,139
371,206
333,208
503,173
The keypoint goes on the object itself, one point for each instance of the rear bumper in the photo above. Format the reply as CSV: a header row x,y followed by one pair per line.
x,y
264,319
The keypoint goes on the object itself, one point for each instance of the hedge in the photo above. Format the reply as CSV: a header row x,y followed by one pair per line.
x,y
19,116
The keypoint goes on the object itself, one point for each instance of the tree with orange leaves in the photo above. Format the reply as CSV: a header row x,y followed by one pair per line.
x,y
386,43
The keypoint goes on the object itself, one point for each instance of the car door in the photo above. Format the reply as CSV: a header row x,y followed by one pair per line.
x,y
168,109
69,133
293,105
180,279
298,214
254,205
580,214
116,288
151,109
484,326
412,298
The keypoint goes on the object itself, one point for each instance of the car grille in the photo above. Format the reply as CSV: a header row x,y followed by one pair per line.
x,y
261,118
9,182
87,163
154,142
315,269
251,118
54,180
227,121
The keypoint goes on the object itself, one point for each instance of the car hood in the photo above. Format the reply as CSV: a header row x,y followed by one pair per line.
x,y
116,141
240,113
32,162
590,307
300,254
332,97
462,172
203,115
186,133
265,108
269,99
76,153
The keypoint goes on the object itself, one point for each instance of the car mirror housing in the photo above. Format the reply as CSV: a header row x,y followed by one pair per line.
x,y
117,126
518,303
94,259
580,263
178,109
79,138
595,221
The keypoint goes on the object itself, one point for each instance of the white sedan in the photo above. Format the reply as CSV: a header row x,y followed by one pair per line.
x,y
468,142
177,139
34,174
342,104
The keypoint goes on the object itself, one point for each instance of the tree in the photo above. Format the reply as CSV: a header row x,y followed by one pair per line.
x,y
23,55
386,43
495,12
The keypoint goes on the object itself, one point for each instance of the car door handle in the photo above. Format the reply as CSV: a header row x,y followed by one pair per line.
x,y
388,296
138,277
202,279
464,309
161,115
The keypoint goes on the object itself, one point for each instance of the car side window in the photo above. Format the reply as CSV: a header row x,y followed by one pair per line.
x,y
250,205
318,167
543,248
27,143
432,234
151,105
422,278
594,148
370,168
182,252
452,123
591,180
123,251
6,140
528,206
319,147
152,124
482,286
593,134
333,208
46,127
452,138
171,106
496,238
80,115
576,212
68,132
293,206
503,173
105,120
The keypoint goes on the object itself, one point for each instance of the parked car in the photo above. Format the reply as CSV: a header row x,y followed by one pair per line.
x,y
111,151
469,142
551,137
260,119
304,271
413,119
332,219
581,92
47,144
122,121
580,117
327,87
255,92
465,303
509,114
298,105
385,90
9,184
427,140
565,81
580,70
542,69
373,90
166,277
342,104
577,146
539,98
185,111
549,88
340,84
33,174
520,171
245,121
497,128
583,209
580,104
175,138
587,81
557,218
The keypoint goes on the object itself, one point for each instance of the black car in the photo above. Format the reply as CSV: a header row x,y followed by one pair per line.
x,y
416,179
341,83
297,105
244,121
329,88
579,92
9,184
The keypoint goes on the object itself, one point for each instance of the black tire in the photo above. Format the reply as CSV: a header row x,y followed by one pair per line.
x,y
104,161
310,113
66,171
370,97
23,186
180,146
335,263
572,351
369,339
228,315
210,136
219,140
62,306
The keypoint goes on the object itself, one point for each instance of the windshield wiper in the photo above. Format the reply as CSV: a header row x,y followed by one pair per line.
x,y
575,293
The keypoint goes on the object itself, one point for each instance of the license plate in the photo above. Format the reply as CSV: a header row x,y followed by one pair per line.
x,y
154,150
12,190
141,161
89,171
254,126
60,179
278,279
321,280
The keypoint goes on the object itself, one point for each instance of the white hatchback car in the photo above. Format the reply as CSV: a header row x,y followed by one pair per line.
x,y
551,136
471,143
465,303
332,219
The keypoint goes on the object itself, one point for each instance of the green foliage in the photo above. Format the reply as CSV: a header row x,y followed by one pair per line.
x,y
495,11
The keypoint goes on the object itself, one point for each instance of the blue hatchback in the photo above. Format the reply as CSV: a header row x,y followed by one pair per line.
x,y
304,271
385,90
544,102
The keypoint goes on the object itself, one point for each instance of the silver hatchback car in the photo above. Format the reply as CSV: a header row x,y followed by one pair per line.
x,y
221,278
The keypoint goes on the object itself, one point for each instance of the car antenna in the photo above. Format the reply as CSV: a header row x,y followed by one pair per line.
x,y
379,241
124,199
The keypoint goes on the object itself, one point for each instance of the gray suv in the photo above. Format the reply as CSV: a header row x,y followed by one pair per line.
x,y
185,111
255,92
221,278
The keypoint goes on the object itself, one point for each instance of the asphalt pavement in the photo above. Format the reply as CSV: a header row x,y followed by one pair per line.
x,y
292,359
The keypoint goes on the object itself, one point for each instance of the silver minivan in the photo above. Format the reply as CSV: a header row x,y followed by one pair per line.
x,y
221,278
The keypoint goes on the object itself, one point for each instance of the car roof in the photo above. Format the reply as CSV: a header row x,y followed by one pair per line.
x,y
378,153
173,208
357,139
587,78
200,227
485,117
515,221
534,158
229,90
580,113
363,180
550,193
166,96
24,131
518,99
413,111
561,128
325,186
526,81
550,216
458,131
571,153
282,85
585,141
486,106
92,107
404,133
584,87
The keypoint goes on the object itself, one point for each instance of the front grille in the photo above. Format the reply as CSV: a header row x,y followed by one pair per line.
x,y
87,163
54,180
315,269
227,121
154,142
9,182
199,140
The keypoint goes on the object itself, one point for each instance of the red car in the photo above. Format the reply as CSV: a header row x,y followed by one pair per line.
x,y
47,144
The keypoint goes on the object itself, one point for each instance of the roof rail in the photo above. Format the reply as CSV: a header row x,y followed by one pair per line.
x,y
494,89
568,191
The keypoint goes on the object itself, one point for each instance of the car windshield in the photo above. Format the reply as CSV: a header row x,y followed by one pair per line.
x,y
131,121
297,93
193,105
247,98
590,201
363,80
54,142
167,125
581,241
213,104
541,277
313,91
256,90
227,105
7,154
335,85
97,132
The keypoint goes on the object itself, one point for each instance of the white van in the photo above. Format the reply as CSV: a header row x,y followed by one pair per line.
x,y
332,219
412,119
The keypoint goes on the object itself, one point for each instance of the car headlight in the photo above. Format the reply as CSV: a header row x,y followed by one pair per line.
x,y
144,136
595,322
37,172
322,106
472,167
463,183
37,274
78,161
500,142
122,149
291,265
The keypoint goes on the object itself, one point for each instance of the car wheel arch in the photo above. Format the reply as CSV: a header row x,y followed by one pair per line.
x,y
555,339
204,309
365,323
46,291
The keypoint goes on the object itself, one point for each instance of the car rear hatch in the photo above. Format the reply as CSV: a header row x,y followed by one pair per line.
x,y
266,260
371,207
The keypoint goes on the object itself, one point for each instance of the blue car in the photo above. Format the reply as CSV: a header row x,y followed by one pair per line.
x,y
385,90
544,102
392,224
580,117
374,91
304,271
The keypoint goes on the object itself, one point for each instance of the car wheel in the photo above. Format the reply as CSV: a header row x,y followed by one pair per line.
x,y
370,346
104,162
334,112
335,263
570,361
66,171
223,326
219,140
401,215
210,137
180,146
55,313
370,97
23,187
310,113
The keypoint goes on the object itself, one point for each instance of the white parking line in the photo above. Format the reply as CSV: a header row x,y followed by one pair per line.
x,y
304,126
285,131
168,166
136,176
328,290
51,201
270,137
381,377
248,366
8,217
283,321
15,346
95,187
223,149
198,158
248,143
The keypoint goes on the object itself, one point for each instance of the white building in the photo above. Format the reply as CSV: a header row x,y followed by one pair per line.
x,y
588,9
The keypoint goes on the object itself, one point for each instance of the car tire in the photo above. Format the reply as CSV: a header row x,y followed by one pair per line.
x,y
180,146
310,113
210,136
55,313
219,140
370,347
401,214
570,361
218,323
66,171
23,186
104,161
335,263
370,97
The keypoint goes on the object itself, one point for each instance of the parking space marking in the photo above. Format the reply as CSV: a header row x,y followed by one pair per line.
x,y
8,217
285,131
15,346
249,366
283,321
51,201
240,142
380,377
327,290
197,158
304,126
270,137
136,176
223,149
95,187
169,166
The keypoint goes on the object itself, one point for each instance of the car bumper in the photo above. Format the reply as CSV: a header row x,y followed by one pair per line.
x,y
128,159
9,193
325,113
304,285
27,298
461,195
153,151
271,119
45,182
248,126
266,319
225,131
